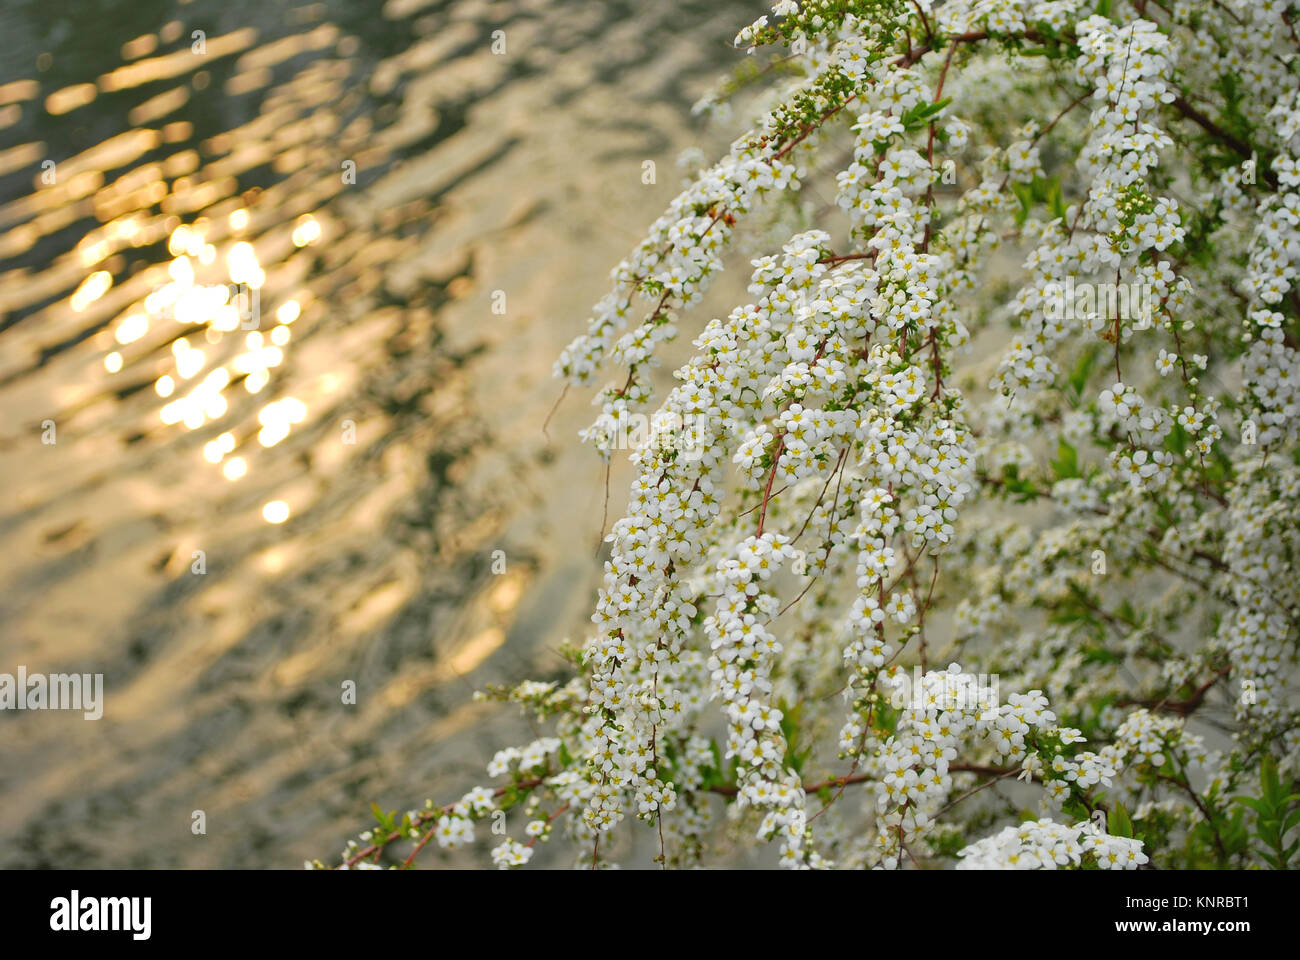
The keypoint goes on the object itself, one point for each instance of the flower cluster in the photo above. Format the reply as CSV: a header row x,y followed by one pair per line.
x,y
1048,845
1108,528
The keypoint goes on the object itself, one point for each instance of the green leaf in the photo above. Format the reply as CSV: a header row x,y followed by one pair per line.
x,y
1118,823
1269,781
937,106
1066,464
1055,199
1259,806
1078,378
1025,194
388,821
921,114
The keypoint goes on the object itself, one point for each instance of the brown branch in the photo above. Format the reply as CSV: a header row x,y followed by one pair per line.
x,y
1241,147
426,815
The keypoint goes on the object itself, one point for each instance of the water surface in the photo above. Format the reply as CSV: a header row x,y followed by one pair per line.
x,y
252,304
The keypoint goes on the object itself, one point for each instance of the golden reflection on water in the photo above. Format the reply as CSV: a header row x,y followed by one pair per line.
x,y
251,290
214,295
205,322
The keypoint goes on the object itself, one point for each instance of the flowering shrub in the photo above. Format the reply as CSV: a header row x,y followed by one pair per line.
x,y
900,461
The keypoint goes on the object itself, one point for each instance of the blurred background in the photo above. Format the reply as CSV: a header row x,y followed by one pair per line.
x,y
249,257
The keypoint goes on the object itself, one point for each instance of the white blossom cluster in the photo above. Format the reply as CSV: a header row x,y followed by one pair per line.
x,y
1109,528
1048,845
